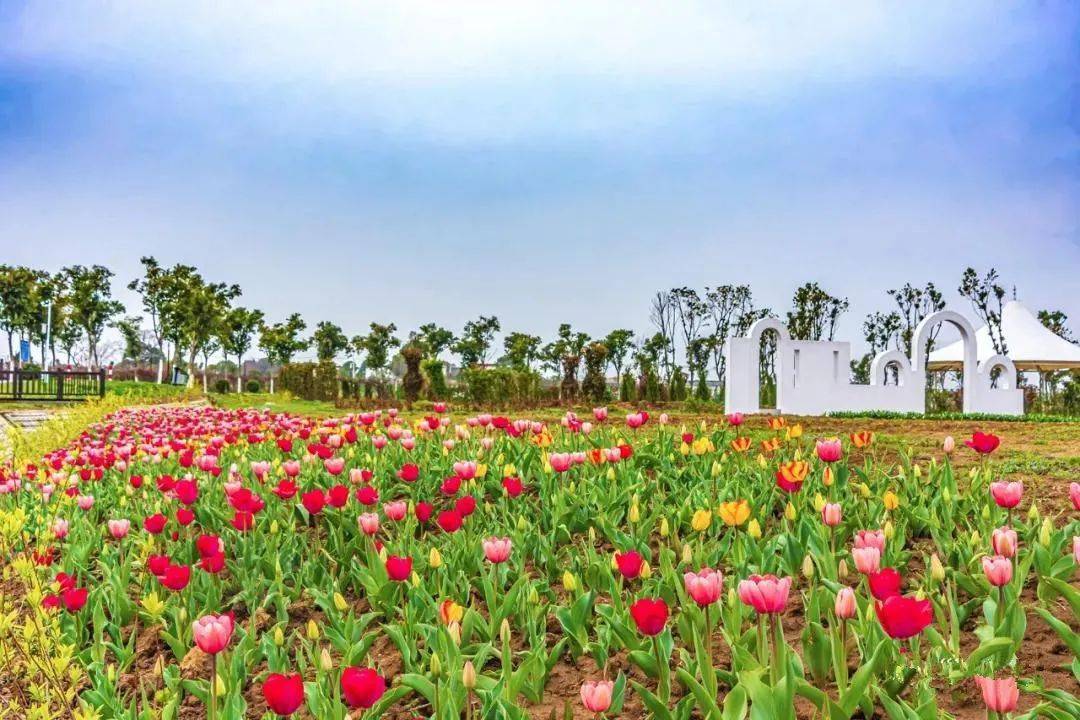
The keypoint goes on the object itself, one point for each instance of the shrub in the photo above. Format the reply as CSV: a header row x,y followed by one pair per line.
x,y
678,385
413,381
311,381
221,387
253,386
500,386
627,388
433,370
569,386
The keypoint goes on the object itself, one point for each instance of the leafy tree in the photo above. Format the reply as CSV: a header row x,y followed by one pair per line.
x,y
281,341
728,306
475,340
135,347
986,297
413,381
698,352
197,309
814,313
880,330
328,340
1058,323
235,334
619,343
432,339
92,305
163,290
17,310
521,350
914,304
376,344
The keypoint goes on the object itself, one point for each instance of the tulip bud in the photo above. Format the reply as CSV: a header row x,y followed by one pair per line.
x,y
340,603
976,539
753,529
827,477
635,514
687,553
568,582
274,527
949,445
888,530
946,495
808,567
219,684
522,524
664,529
715,470
842,569
504,631
646,570
762,461
789,511
110,672
937,570
819,502
434,558
454,629
279,636
1045,532
1033,512
610,474
592,535
468,675
312,630
891,500
534,596
326,663
917,471
415,579
436,666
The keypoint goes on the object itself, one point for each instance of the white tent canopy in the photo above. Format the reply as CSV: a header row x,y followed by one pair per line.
x,y
1030,345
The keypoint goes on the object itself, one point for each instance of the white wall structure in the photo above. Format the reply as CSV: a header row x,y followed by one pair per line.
x,y
812,377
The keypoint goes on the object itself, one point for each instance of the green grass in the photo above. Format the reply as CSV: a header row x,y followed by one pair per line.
x,y
278,402
892,415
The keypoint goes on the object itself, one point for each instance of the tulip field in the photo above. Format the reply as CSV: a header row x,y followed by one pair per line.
x,y
178,562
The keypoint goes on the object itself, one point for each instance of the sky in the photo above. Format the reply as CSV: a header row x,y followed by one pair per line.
x,y
545,162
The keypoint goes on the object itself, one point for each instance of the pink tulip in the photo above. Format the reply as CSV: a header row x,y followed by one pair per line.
x,y
870,538
119,528
85,502
466,470
636,420
484,419
704,587
334,466
369,523
949,445
829,451
560,462
449,443
831,514
1007,494
736,419
379,442
766,594
395,510
998,570
596,695
1076,549
212,633
408,443
60,528
600,414
1000,695
613,454
1004,541
867,559
1074,495
664,419
497,550
845,606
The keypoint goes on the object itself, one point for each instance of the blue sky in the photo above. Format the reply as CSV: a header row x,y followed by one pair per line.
x,y
546,162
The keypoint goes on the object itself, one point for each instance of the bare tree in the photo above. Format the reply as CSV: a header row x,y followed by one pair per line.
x,y
914,304
693,314
986,297
728,306
662,314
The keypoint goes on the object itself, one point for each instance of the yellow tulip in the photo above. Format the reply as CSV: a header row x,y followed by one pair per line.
x,y
891,500
754,529
701,520
734,513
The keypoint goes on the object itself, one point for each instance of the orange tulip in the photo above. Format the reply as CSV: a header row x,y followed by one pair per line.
x,y
770,445
776,423
740,444
862,439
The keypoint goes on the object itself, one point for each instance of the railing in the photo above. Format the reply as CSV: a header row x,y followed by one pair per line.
x,y
51,384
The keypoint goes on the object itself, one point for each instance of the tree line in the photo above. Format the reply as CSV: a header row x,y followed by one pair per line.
x,y
186,319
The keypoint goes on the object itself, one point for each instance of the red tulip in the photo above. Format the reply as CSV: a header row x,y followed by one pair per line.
x,y
904,617
154,524
176,577
74,599
313,501
884,583
629,563
513,486
449,520
409,472
398,568
362,687
284,694
338,496
650,615
983,443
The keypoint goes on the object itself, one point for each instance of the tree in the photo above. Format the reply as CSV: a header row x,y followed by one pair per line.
x,y
880,330
618,343
328,340
728,306
136,349
914,304
521,350
376,344
413,381
662,314
595,384
693,314
1056,322
986,297
235,334
162,290
281,341
198,308
92,306
697,353
432,339
814,313
475,340
17,289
